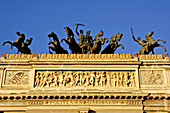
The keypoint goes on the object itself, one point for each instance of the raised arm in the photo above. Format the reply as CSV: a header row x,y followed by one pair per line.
x,y
133,35
134,38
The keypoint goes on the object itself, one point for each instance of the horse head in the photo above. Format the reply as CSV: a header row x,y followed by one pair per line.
x,y
20,34
98,37
68,31
99,40
52,34
119,36
99,34
148,36
70,34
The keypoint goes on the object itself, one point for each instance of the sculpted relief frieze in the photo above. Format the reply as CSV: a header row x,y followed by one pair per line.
x,y
85,78
152,77
16,77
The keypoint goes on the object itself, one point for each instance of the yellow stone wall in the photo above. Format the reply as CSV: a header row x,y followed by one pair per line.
x,y
82,83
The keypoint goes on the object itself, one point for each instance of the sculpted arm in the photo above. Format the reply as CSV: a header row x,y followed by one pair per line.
x,y
93,39
134,38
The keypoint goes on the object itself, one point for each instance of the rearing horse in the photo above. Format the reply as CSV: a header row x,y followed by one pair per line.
x,y
152,43
98,42
113,44
73,46
19,43
55,45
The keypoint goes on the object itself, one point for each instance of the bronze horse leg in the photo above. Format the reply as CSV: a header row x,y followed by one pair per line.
x,y
65,41
121,45
162,46
154,42
17,51
153,52
11,43
104,40
49,47
161,40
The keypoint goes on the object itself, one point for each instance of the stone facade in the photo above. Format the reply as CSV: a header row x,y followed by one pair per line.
x,y
84,83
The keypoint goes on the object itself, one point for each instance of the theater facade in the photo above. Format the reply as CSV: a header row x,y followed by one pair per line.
x,y
84,83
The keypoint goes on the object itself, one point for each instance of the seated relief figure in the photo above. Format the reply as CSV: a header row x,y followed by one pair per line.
x,y
148,45
20,44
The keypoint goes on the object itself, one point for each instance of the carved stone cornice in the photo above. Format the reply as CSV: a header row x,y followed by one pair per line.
x,y
83,99
84,57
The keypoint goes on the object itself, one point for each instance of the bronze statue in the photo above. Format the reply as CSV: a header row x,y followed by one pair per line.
x,y
73,46
152,43
80,35
113,44
19,44
98,42
55,45
149,44
88,43
143,43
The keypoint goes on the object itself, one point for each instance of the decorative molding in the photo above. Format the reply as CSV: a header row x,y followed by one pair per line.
x,y
85,102
19,57
100,96
68,57
85,56
151,57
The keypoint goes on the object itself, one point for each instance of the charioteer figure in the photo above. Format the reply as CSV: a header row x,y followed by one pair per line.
x,y
88,42
80,35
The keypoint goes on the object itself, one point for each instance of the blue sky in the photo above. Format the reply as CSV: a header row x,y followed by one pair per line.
x,y
37,18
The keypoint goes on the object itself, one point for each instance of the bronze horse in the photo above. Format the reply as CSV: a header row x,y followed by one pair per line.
x,y
55,45
73,46
113,44
152,43
19,44
98,42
